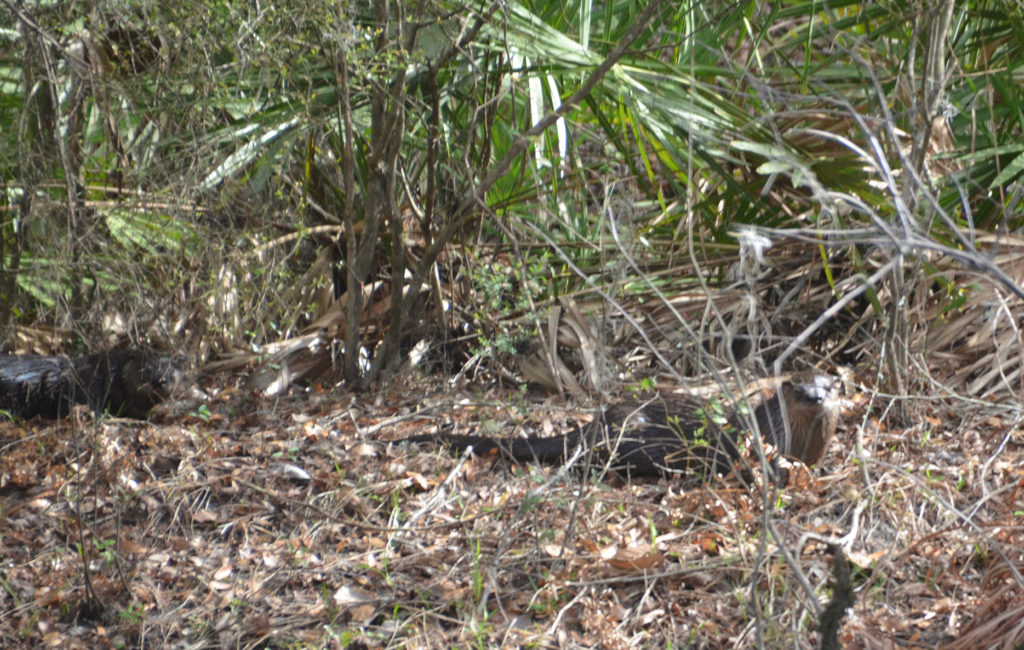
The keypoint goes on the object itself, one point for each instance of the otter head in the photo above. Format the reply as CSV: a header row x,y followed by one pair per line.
x,y
148,378
801,418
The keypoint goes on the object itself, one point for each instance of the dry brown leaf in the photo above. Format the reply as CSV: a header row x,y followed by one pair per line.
x,y
348,596
709,544
206,516
365,450
223,572
556,550
866,560
129,546
418,480
636,558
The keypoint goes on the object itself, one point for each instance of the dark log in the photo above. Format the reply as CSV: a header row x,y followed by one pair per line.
x,y
123,382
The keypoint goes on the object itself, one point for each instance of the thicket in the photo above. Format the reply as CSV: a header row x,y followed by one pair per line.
x,y
747,179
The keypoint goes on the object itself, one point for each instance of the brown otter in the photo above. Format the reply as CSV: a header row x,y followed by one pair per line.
x,y
124,382
668,433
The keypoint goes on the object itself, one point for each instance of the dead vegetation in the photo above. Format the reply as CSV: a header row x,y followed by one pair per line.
x,y
295,523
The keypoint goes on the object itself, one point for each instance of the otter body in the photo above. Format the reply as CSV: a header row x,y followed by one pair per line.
x,y
666,434
126,382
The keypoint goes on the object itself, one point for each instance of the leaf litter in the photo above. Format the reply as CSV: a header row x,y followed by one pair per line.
x,y
301,523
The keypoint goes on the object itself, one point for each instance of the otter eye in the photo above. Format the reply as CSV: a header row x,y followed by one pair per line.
x,y
814,391
819,389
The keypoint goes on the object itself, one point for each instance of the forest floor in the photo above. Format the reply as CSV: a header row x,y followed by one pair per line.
x,y
297,523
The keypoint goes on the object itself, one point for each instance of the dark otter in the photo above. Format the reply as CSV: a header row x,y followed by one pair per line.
x,y
124,382
667,433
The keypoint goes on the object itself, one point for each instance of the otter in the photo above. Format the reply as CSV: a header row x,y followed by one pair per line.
x,y
124,382
666,434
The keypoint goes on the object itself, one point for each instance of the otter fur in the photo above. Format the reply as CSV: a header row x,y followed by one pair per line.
x,y
664,434
123,382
